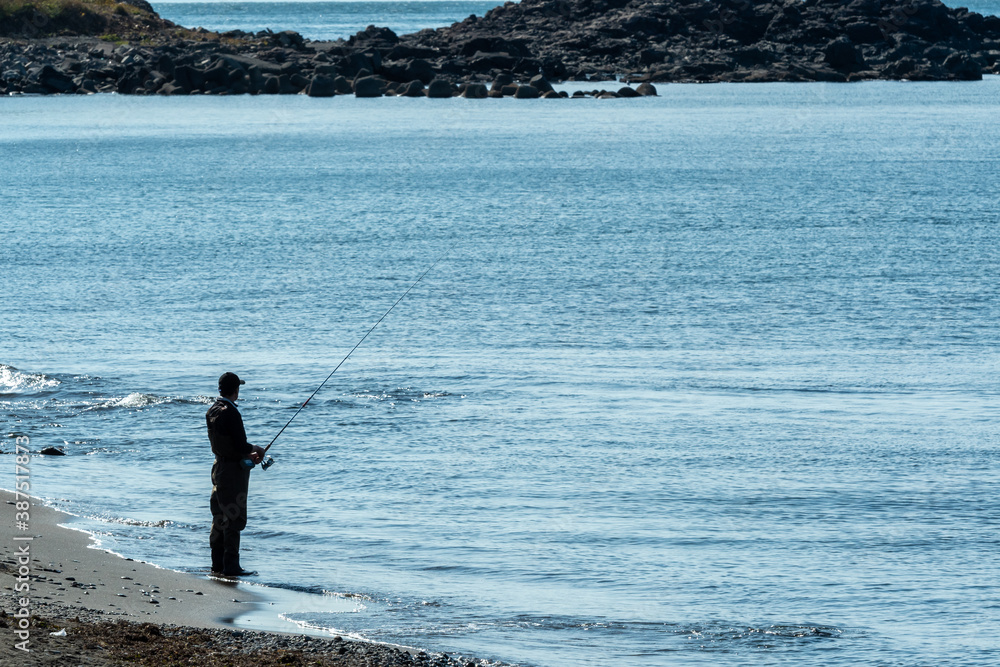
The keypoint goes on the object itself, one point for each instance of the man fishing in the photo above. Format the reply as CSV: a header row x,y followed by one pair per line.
x,y
234,458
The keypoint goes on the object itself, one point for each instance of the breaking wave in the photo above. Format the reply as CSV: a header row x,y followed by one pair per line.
x,y
136,400
14,381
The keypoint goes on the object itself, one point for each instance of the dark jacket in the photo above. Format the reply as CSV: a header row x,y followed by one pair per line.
x,y
226,432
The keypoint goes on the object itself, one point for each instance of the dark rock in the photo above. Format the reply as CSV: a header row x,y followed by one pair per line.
x,y
374,36
130,81
537,41
963,67
189,77
272,85
483,62
342,85
550,94
526,92
52,451
508,90
289,39
414,88
369,86
285,86
52,79
440,88
841,54
321,86
864,32
406,52
475,91
419,69
171,88
236,61
501,80
256,79
539,83
370,61
646,89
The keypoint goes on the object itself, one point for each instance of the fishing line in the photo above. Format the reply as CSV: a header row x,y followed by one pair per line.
x,y
270,461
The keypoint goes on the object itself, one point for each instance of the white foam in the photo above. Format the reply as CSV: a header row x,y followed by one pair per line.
x,y
12,380
133,400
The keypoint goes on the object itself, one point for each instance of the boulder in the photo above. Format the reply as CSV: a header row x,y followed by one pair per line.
x,y
52,79
321,86
475,91
87,86
626,91
286,87
414,88
646,89
502,80
342,85
963,68
419,69
189,77
440,88
842,55
272,85
864,32
369,86
539,83
482,62
551,94
171,88
289,39
526,92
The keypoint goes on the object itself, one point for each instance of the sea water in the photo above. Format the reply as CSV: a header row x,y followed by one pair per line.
x,y
323,19
707,378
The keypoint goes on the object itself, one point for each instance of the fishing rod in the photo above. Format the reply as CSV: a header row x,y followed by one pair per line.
x,y
268,461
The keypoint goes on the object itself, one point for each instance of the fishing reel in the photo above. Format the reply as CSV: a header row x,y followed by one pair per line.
x,y
266,463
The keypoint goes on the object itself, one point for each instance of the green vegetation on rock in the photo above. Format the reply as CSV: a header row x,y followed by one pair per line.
x,y
42,18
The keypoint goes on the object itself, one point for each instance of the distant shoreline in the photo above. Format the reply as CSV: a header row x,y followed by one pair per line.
x,y
515,50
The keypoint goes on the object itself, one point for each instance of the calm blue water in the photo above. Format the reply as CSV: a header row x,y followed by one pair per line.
x,y
323,20
704,379
339,19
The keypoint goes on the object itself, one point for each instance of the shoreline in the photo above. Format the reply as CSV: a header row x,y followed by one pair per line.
x,y
103,599
514,50
69,570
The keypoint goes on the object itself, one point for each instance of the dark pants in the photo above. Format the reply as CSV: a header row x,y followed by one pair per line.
x,y
230,482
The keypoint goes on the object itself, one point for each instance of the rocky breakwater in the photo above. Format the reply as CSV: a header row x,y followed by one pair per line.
x,y
515,50
722,40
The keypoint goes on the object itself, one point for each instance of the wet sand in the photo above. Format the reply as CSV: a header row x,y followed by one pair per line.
x,y
116,610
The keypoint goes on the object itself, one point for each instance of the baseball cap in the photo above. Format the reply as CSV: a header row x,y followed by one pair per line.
x,y
228,382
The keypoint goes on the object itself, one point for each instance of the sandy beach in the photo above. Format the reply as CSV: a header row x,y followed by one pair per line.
x,y
117,610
